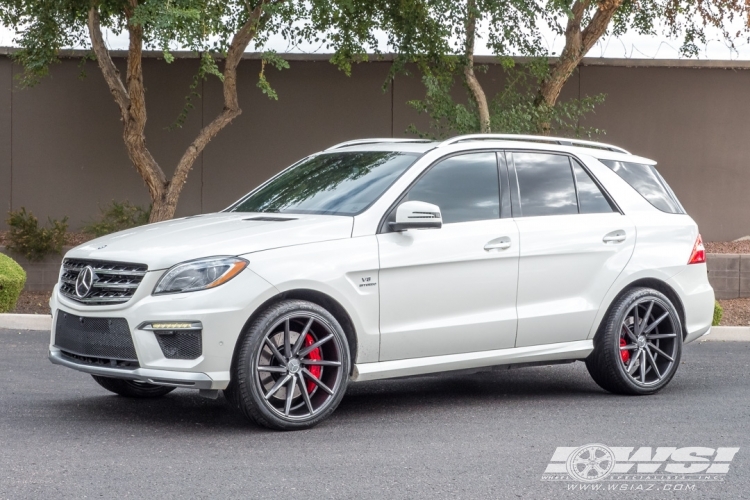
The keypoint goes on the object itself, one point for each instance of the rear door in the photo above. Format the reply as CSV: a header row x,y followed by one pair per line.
x,y
574,243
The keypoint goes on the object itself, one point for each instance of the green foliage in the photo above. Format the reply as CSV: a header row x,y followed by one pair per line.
x,y
118,216
718,314
204,27
32,241
272,58
513,110
432,36
12,280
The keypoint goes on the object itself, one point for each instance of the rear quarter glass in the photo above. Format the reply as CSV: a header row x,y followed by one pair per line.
x,y
647,181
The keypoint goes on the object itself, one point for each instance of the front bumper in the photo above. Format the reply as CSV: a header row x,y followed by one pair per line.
x,y
223,312
159,377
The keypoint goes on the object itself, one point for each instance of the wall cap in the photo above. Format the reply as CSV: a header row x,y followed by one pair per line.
x,y
387,57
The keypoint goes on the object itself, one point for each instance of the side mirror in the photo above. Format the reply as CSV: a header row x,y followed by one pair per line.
x,y
417,215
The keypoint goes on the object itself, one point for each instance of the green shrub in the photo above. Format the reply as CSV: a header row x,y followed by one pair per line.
x,y
12,279
118,217
718,313
32,241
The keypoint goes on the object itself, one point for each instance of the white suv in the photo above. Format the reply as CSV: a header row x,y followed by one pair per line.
x,y
388,258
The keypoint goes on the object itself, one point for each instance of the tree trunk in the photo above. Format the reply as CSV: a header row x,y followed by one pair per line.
x,y
471,80
578,42
131,99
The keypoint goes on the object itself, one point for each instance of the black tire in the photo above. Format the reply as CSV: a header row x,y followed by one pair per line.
x,y
131,389
257,391
637,360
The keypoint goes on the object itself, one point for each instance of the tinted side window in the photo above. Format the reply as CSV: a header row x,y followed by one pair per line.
x,y
465,187
647,181
591,200
546,185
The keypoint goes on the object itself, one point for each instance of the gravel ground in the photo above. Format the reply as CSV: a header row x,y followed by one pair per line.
x,y
33,303
736,312
727,246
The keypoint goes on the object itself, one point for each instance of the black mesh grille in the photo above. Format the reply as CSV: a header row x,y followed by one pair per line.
x,y
107,338
113,283
180,344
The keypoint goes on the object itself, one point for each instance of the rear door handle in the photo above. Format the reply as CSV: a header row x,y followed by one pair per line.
x,y
502,243
614,237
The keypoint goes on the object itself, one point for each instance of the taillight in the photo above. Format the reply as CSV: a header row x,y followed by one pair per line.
x,y
699,252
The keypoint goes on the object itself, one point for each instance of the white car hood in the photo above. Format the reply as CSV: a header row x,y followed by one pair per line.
x,y
165,244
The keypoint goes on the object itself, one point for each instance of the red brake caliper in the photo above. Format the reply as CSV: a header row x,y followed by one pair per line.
x,y
314,355
625,355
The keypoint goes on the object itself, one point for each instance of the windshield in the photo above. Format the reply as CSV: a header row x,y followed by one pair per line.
x,y
343,183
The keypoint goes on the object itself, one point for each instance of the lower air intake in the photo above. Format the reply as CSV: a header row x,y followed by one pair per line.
x,y
178,344
103,338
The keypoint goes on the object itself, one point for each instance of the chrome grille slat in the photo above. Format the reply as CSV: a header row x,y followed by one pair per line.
x,y
116,285
119,273
116,282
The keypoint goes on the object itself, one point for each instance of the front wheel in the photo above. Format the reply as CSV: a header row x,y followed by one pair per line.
x,y
638,348
132,388
292,367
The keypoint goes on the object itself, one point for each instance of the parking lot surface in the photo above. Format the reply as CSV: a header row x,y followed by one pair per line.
x,y
481,435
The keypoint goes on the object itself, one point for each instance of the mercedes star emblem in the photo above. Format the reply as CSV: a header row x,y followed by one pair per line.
x,y
85,281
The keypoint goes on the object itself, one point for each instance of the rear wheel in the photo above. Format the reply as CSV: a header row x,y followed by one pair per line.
x,y
638,349
292,367
132,388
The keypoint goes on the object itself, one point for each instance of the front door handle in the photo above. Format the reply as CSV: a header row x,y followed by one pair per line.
x,y
614,237
502,243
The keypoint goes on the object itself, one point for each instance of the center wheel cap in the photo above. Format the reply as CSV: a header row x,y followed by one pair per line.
x,y
293,366
641,341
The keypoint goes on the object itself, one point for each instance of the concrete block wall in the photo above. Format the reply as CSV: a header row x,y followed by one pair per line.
x,y
40,276
729,275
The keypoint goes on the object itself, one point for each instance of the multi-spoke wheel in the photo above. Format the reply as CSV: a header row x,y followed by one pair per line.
x,y
638,348
292,368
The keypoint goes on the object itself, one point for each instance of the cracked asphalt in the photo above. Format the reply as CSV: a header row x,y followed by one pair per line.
x,y
482,435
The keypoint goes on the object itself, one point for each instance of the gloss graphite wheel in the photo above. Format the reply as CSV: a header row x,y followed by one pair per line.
x,y
639,348
293,366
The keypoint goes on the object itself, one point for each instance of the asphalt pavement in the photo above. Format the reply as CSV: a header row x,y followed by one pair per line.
x,y
482,435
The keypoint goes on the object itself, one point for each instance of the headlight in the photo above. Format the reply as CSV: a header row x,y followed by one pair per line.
x,y
199,274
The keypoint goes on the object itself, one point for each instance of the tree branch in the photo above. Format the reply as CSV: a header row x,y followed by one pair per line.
x,y
131,101
471,79
109,70
231,110
135,128
577,44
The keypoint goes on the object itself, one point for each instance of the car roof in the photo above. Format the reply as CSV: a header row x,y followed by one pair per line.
x,y
600,151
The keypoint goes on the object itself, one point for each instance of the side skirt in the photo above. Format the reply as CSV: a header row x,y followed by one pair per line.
x,y
579,349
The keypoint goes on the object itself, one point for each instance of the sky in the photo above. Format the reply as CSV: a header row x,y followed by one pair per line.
x,y
631,46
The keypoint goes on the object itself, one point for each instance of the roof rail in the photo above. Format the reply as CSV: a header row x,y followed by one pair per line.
x,y
533,138
357,142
